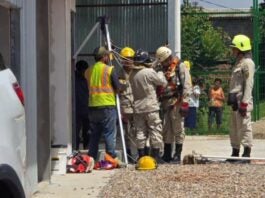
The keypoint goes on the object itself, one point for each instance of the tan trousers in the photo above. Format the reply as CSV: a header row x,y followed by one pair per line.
x,y
173,127
148,125
129,130
240,130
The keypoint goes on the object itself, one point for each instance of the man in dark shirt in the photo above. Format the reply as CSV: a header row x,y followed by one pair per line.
x,y
81,104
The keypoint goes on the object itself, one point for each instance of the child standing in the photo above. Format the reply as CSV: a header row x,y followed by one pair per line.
x,y
216,95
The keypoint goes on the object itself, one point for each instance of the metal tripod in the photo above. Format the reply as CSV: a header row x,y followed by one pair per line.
x,y
102,22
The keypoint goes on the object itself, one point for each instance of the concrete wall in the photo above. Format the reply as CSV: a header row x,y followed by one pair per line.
x,y
43,112
29,84
10,37
60,71
15,42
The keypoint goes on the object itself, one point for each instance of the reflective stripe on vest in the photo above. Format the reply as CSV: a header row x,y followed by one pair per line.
x,y
100,89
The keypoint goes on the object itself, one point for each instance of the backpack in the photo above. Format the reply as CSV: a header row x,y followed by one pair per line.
x,y
80,163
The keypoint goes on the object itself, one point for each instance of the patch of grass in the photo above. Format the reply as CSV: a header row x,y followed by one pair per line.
x,y
262,109
202,123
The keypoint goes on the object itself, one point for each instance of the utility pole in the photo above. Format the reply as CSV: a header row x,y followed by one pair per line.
x,y
256,41
174,26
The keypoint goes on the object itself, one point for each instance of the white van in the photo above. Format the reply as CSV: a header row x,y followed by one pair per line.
x,y
12,136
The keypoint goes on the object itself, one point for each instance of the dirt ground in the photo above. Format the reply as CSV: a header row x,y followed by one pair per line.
x,y
259,129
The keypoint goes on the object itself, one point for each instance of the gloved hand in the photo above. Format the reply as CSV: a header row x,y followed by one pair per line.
x,y
243,109
184,109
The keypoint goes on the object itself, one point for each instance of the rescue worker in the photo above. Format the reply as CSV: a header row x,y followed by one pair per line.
x,y
240,96
174,102
103,84
126,99
144,81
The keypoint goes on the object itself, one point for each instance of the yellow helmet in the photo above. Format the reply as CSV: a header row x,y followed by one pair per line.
x,y
146,163
241,42
187,64
162,53
127,52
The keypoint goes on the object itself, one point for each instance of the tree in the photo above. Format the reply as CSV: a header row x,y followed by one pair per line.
x,y
202,44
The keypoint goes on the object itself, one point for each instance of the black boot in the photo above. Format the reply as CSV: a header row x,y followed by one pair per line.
x,y
167,153
156,154
141,153
235,153
177,156
147,150
130,158
246,153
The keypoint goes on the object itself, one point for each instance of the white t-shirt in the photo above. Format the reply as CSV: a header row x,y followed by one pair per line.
x,y
194,97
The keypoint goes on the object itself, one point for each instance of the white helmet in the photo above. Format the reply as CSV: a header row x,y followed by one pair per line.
x,y
162,53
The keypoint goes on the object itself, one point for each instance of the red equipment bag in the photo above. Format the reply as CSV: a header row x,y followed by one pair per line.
x,y
80,163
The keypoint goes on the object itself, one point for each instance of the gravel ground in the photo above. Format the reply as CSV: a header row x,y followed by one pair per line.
x,y
208,180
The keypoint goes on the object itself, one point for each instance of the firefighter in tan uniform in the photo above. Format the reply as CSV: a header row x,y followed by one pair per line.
x,y
174,101
240,96
147,122
126,98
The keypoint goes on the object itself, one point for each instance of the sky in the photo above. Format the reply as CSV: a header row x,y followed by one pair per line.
x,y
225,3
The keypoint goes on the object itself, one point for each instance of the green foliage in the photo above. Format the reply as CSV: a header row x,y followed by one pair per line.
x,y
262,109
201,42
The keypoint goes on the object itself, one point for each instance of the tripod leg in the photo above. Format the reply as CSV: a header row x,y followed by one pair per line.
x,y
118,102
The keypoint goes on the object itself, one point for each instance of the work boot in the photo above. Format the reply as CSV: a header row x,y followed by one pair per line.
x,y
156,154
246,153
147,150
235,153
141,153
120,164
177,156
167,153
